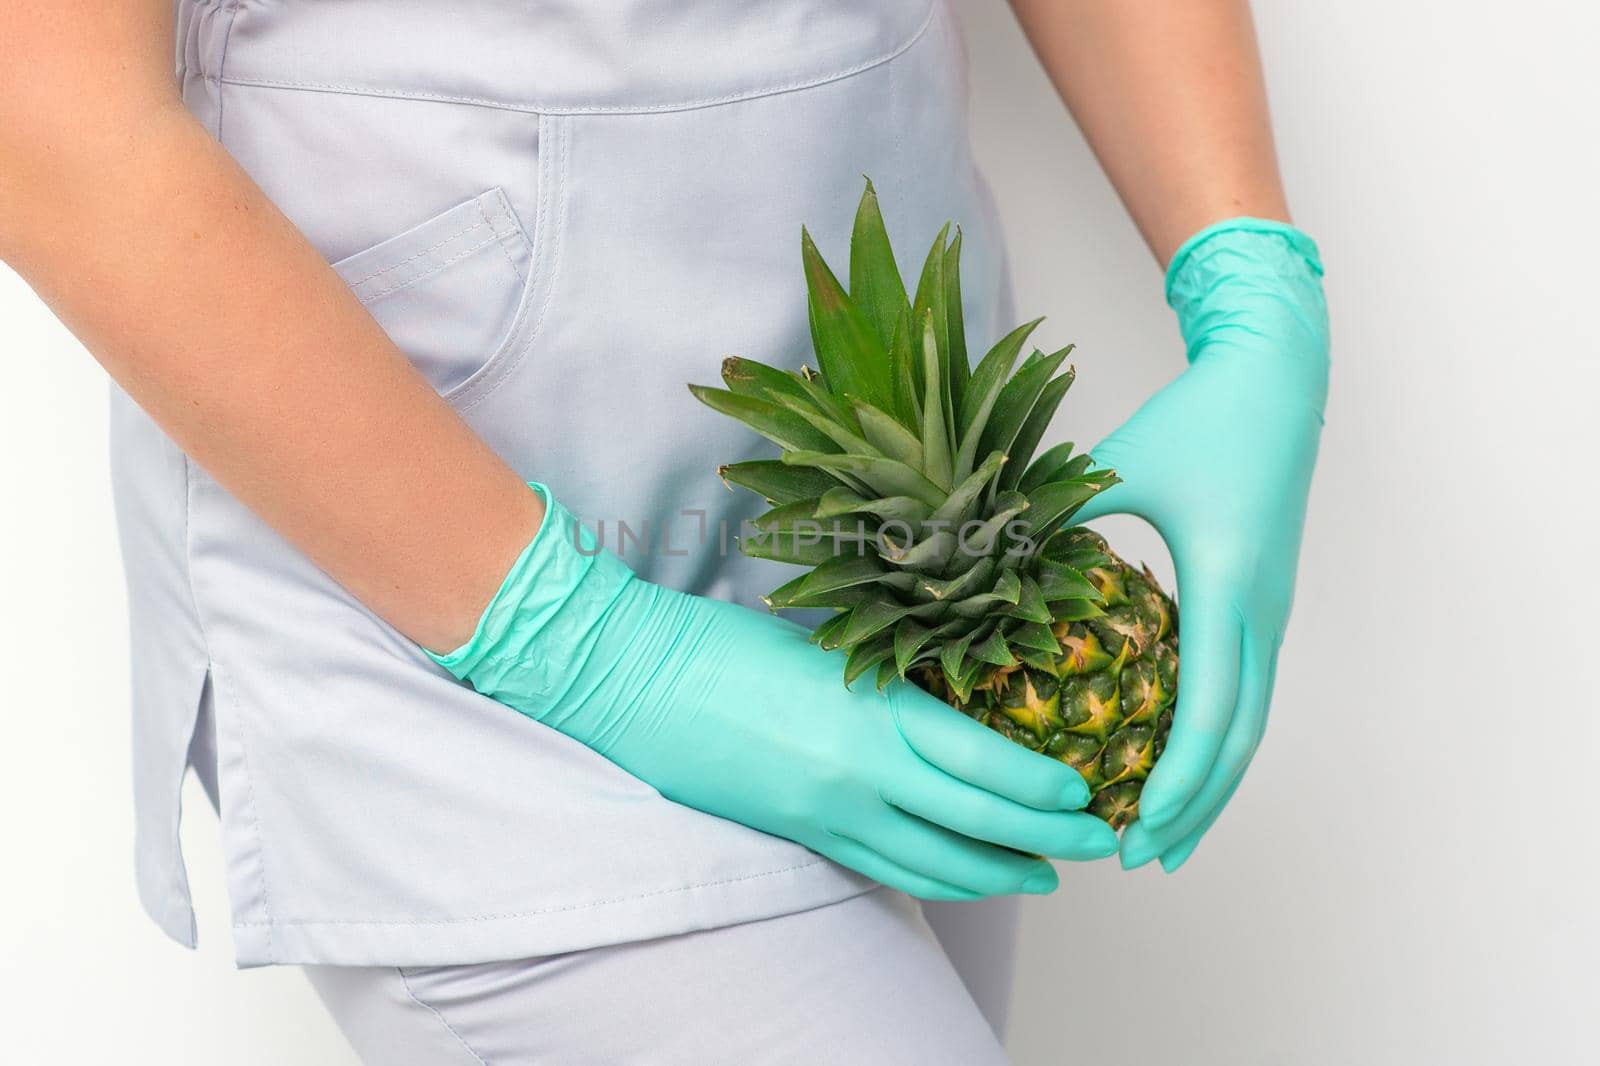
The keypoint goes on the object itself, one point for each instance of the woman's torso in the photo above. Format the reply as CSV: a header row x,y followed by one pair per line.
x,y
562,212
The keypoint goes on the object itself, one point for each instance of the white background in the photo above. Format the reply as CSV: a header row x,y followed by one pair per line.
x,y
1410,873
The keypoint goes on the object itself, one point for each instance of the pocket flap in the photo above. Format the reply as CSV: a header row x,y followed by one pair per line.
x,y
464,230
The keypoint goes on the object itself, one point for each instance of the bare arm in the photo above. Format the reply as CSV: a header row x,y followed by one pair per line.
x,y
1169,95
218,317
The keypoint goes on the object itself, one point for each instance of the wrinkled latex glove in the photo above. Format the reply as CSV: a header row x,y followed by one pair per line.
x,y
1220,461
734,712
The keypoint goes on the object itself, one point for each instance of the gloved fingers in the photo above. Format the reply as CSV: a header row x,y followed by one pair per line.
x,y
1179,853
973,812
1143,841
939,854
862,859
1209,661
1272,679
981,757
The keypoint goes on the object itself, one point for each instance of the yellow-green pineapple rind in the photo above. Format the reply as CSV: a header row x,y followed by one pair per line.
x,y
1104,705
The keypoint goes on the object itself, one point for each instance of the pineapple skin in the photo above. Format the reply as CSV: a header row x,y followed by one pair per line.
x,y
1106,707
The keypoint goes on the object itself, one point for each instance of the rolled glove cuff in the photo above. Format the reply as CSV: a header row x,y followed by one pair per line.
x,y
1259,279
537,631
1239,246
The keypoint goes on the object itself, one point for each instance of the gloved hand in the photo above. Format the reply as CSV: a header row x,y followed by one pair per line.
x,y
1219,461
734,712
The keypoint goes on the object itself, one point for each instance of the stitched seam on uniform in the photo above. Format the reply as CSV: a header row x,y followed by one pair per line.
x,y
406,283
500,237
500,365
418,255
217,680
222,58
497,234
205,643
200,623
255,821
431,1009
542,910
594,109
548,161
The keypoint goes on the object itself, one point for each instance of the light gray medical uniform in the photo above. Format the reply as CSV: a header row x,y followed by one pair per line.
x,y
562,211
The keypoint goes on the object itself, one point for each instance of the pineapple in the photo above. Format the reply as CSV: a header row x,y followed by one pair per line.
x,y
909,488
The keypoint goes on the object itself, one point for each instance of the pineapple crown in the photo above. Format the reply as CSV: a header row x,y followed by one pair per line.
x,y
907,481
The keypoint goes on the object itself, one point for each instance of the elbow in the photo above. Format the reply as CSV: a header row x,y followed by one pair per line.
x,y
58,149
36,153
27,162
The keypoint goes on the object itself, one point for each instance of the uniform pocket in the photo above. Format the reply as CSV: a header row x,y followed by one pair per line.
x,y
447,290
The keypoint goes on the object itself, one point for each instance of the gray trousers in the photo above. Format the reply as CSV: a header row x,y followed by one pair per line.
x,y
871,980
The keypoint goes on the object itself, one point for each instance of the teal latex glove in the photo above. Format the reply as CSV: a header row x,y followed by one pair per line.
x,y
734,712
1220,461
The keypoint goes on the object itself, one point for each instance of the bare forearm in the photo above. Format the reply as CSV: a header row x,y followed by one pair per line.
x,y
1170,97
216,315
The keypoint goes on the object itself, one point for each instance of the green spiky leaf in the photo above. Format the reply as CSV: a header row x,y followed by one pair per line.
x,y
1058,581
1016,401
910,638
874,617
750,378
1051,506
903,372
798,551
987,536
852,358
984,390
993,650
886,477
778,424
1036,636
887,436
953,589
776,481
927,554
1075,610
1079,547
826,635
1051,460
1030,605
1066,468
837,572
1007,589
816,389
952,655
897,509
955,318
929,306
875,284
938,459
832,428
956,507
865,656
1034,426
